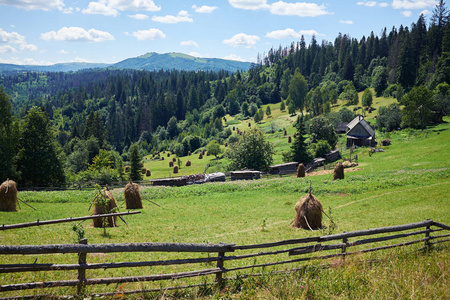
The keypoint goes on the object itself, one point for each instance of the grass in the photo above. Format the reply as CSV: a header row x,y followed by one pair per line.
x,y
408,182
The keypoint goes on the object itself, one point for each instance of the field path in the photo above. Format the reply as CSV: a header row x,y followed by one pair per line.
x,y
389,193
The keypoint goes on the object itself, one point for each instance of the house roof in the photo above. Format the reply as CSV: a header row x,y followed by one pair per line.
x,y
360,120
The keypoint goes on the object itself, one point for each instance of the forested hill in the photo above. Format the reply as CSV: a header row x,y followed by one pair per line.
x,y
150,62
168,109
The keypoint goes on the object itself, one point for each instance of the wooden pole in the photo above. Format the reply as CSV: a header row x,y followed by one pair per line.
x,y
427,236
81,286
219,276
343,249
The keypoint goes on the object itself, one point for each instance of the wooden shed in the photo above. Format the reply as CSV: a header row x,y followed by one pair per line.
x,y
178,181
360,133
245,175
286,168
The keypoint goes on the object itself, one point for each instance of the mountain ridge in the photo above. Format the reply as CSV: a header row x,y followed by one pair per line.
x,y
150,61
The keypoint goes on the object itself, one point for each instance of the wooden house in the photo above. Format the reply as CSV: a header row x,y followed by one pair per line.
x,y
245,175
360,133
286,168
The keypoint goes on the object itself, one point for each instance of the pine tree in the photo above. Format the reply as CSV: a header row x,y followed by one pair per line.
x,y
9,135
39,161
299,148
135,163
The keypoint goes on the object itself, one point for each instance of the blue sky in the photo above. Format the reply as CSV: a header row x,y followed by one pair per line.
x,y
107,31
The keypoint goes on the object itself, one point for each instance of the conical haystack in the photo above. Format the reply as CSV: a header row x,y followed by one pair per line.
x,y
133,198
175,169
300,170
108,208
188,163
149,173
338,171
8,196
308,213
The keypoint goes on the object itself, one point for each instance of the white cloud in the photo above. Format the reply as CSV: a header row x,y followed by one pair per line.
x,y
283,34
11,37
80,60
249,4
301,9
290,33
425,12
7,49
112,7
25,61
100,8
407,13
77,34
204,9
139,16
182,16
150,34
45,5
63,52
234,57
413,4
28,47
189,43
367,3
346,22
242,39
195,54
373,3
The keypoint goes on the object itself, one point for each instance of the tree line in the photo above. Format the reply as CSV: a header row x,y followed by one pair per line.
x,y
93,117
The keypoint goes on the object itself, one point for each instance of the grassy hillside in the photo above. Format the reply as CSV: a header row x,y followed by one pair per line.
x,y
408,182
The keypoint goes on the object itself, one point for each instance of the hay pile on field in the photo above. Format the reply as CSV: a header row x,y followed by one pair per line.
x,y
168,154
174,159
349,164
143,170
175,169
338,171
289,139
170,164
148,174
133,199
300,170
104,203
308,213
8,196
188,163
200,155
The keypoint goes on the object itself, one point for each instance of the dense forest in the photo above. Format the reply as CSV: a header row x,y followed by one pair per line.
x,y
87,120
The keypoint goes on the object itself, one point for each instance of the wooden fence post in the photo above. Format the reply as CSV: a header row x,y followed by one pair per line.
x,y
81,272
344,248
219,276
427,237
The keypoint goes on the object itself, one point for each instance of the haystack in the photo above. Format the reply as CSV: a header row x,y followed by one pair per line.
x,y
162,157
188,163
109,208
200,155
174,159
170,164
175,169
338,171
168,154
8,196
133,198
226,144
308,213
285,132
148,173
189,153
143,170
127,169
289,139
300,170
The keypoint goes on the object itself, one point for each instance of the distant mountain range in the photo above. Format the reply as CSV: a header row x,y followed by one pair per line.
x,y
151,61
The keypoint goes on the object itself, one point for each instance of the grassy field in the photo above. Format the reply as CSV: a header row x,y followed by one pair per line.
x,y
408,182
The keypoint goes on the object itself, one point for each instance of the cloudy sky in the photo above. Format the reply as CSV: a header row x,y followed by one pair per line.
x,y
107,31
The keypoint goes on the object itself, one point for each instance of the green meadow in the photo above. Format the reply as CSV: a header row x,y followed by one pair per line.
x,y
408,182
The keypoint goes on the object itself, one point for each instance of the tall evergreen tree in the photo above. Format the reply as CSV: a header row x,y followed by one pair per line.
x,y
299,148
135,163
39,161
298,88
9,135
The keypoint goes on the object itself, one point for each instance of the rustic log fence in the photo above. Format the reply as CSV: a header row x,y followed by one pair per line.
x,y
311,248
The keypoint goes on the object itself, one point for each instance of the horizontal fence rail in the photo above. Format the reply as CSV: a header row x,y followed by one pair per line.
x,y
311,248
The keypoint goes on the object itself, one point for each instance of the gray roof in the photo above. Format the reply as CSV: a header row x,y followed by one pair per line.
x,y
360,120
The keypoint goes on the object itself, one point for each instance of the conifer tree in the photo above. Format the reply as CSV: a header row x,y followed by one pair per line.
x,y
299,148
135,163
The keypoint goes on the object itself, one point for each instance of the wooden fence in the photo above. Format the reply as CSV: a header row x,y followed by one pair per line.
x,y
296,250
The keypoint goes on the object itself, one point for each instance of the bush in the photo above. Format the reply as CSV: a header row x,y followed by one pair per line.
x,y
320,128
321,148
389,118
